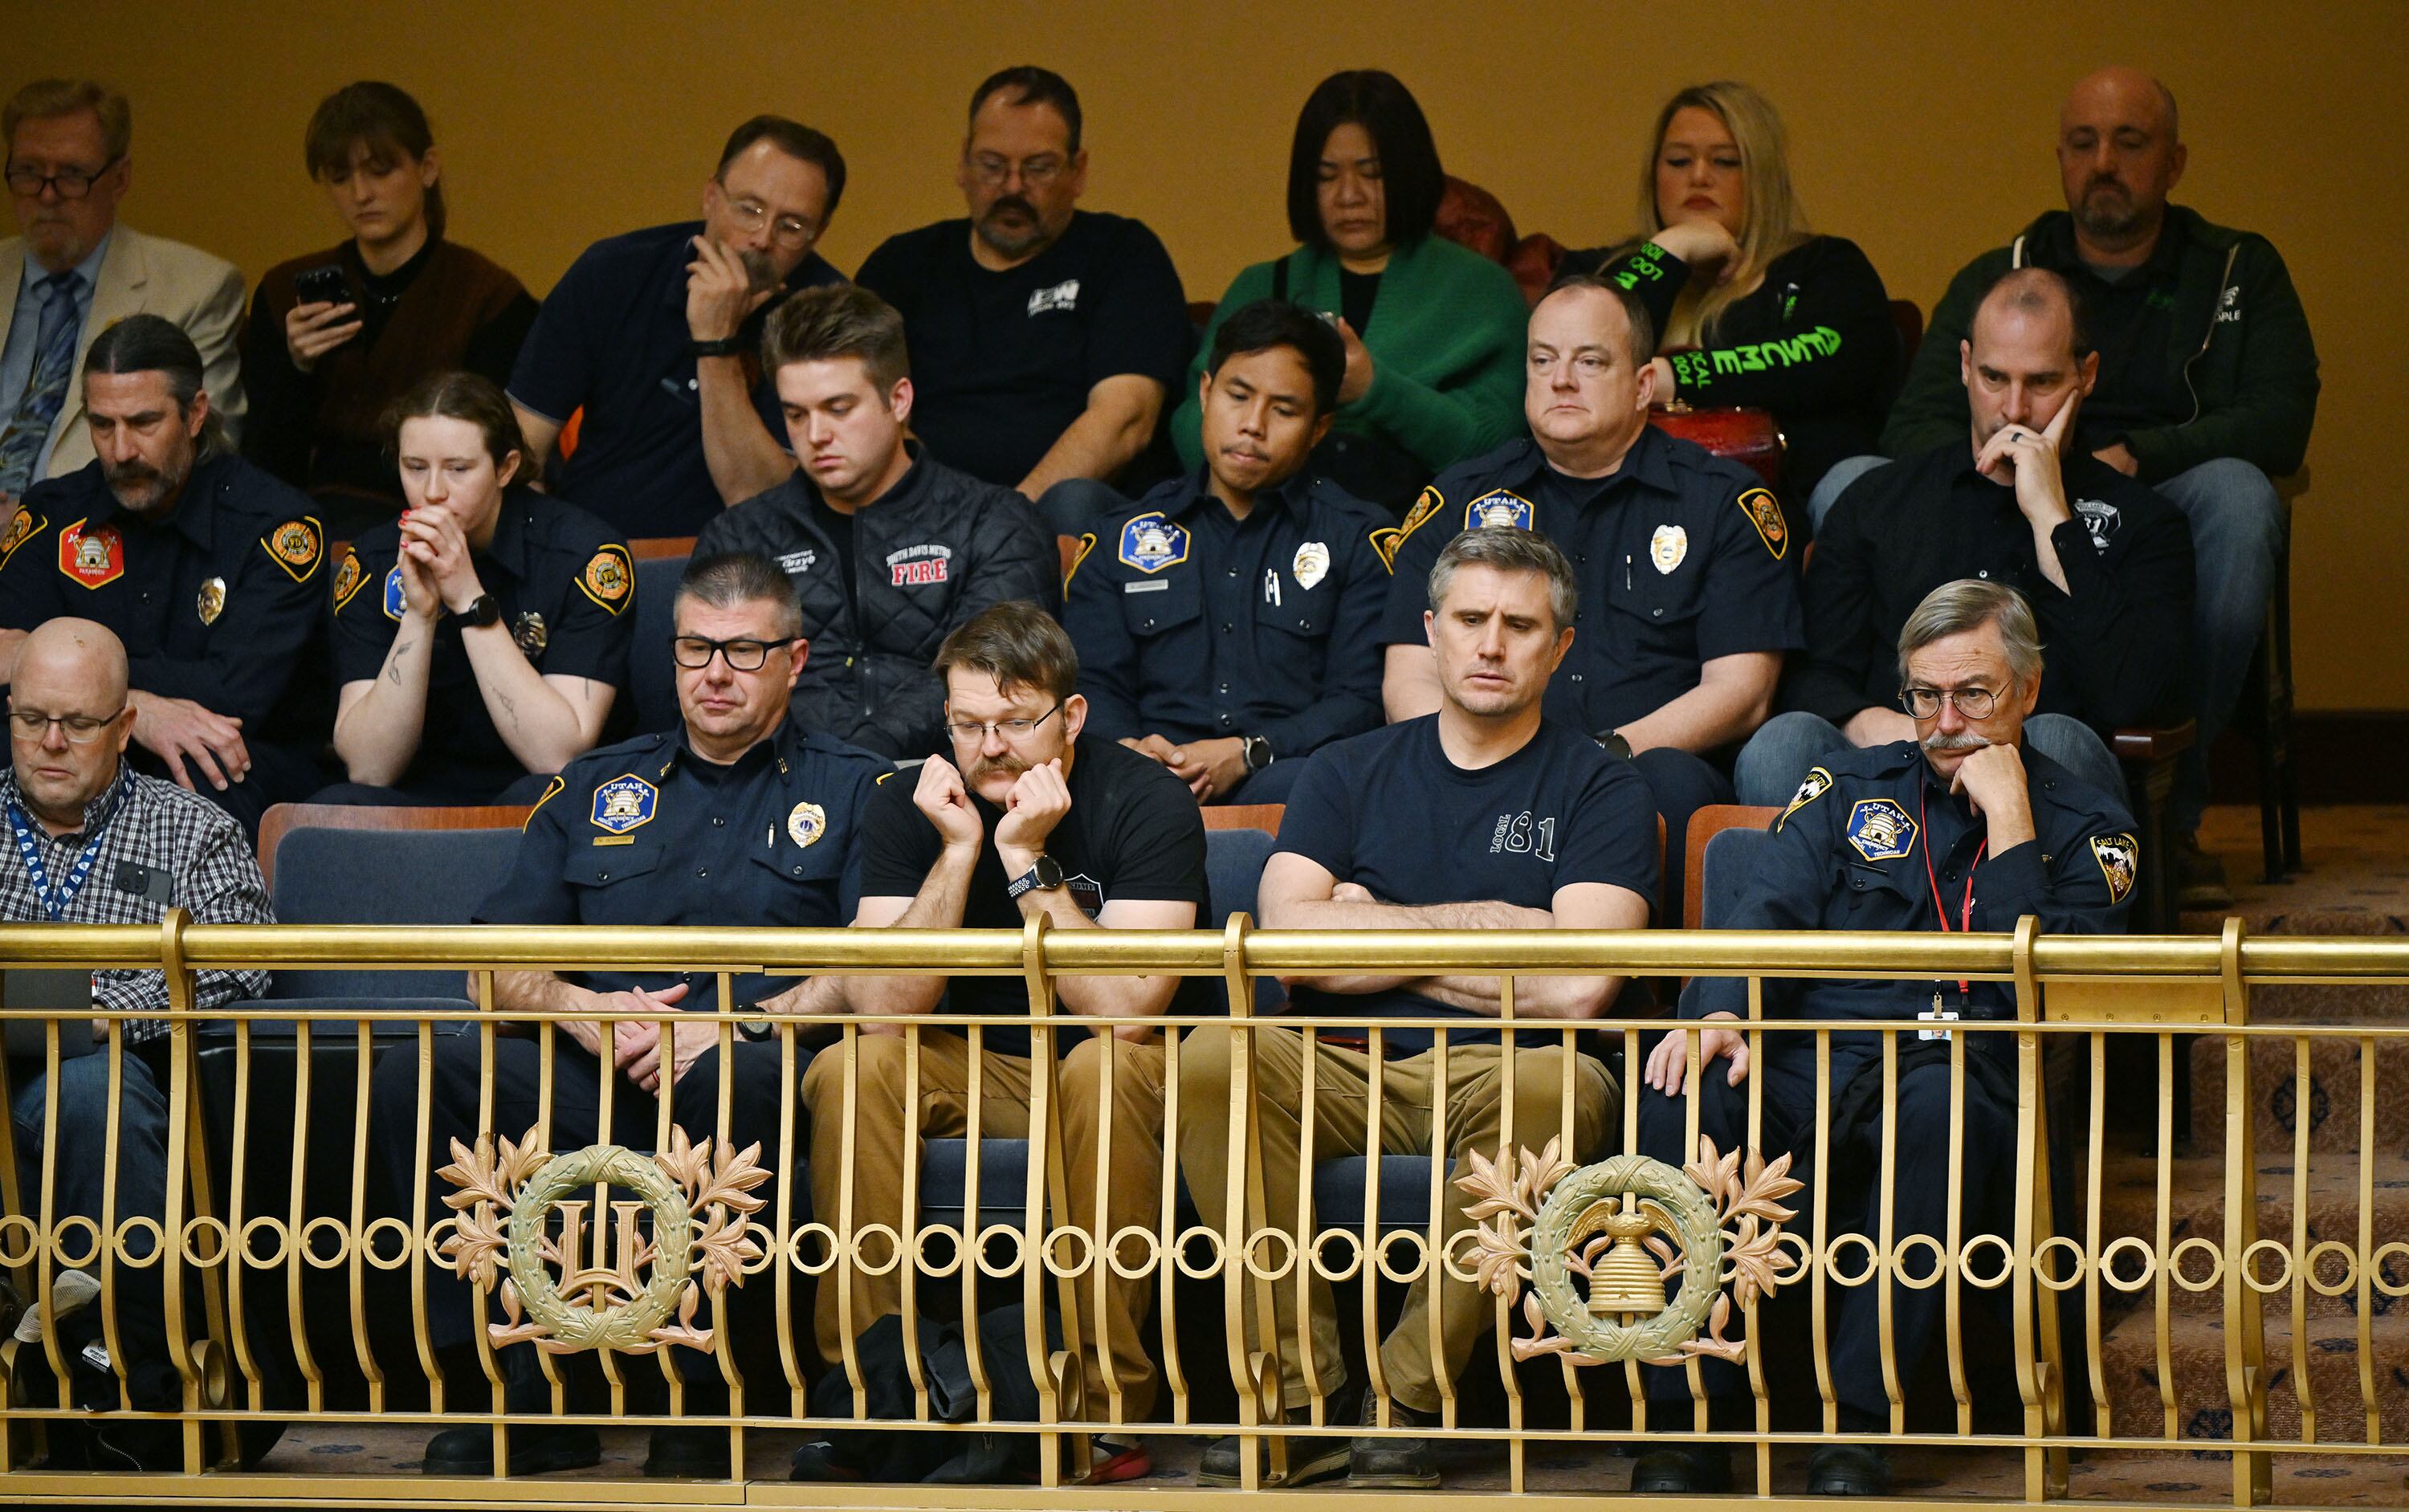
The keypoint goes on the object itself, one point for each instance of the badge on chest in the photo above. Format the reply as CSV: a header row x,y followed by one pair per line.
x,y
624,803
1880,829
1499,506
94,557
1149,542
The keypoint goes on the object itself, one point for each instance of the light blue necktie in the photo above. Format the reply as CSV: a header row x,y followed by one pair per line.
x,y
45,390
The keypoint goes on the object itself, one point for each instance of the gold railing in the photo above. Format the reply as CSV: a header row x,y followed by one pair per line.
x,y
711,1231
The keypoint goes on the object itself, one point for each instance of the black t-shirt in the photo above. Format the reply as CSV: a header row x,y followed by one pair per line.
x,y
1357,294
1134,832
1388,812
1001,363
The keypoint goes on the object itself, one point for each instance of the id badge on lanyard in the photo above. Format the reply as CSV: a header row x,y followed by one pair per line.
x,y
1965,924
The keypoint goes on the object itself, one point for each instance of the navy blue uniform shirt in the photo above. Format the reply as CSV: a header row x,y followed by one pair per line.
x,y
219,603
1388,812
568,594
613,338
649,833
1001,362
1682,558
1191,623
1134,832
1851,852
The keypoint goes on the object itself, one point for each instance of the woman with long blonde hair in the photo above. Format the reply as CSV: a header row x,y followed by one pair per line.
x,y
1752,307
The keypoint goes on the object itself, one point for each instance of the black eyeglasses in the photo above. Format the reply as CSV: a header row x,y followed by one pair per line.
x,y
70,183
1925,703
693,652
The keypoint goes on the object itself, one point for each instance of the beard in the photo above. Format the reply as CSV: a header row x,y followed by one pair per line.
x,y
141,488
2108,211
1010,243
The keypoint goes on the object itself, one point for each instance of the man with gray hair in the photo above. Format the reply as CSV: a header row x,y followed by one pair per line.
x,y
76,270
1485,815
203,565
2104,563
95,843
1962,828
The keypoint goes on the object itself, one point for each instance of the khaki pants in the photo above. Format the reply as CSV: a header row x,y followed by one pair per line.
x,y
1342,1086
874,1153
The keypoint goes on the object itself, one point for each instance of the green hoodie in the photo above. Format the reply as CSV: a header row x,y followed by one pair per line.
x,y
1446,340
2238,360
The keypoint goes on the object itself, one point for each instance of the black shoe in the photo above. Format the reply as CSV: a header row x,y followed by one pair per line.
x,y
818,1462
990,1459
1699,1472
1310,1460
2200,878
687,1454
1393,1463
1848,1470
536,1449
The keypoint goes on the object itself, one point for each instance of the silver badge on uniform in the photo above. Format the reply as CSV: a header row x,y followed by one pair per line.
x,y
529,631
1312,564
212,601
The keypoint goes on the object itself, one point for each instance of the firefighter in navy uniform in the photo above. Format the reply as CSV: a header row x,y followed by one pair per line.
x,y
1688,594
206,567
1969,829
1228,624
738,818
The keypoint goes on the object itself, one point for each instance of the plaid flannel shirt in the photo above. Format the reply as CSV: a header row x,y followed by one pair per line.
x,y
212,877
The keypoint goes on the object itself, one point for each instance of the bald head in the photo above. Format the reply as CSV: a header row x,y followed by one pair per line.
x,y
2120,157
72,661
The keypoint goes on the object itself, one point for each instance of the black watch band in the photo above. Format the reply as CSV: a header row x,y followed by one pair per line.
x,y
1613,744
483,611
734,346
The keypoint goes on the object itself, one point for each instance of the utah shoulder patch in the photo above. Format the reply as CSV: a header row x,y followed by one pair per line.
x,y
609,578
1385,542
550,791
295,546
1079,558
1429,504
348,578
24,528
1818,782
1765,512
2120,862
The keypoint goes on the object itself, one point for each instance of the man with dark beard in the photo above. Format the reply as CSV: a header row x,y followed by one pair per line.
x,y
2207,387
656,336
1044,336
203,566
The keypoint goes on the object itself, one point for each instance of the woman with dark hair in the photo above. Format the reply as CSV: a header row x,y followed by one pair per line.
x,y
1433,331
336,336
1752,307
481,641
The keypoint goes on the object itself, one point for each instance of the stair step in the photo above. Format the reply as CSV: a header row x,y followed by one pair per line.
x,y
2195,1206
2332,1107
2330,1003
2196,1350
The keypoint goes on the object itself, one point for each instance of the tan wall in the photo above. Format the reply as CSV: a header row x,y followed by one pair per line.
x,y
1921,131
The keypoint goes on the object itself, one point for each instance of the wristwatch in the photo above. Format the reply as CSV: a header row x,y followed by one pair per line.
x,y
732,346
482,610
1045,873
1613,744
1257,753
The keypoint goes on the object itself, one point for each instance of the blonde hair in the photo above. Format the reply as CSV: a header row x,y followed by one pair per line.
x,y
47,99
1771,220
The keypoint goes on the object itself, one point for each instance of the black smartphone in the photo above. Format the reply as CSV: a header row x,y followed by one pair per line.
x,y
321,285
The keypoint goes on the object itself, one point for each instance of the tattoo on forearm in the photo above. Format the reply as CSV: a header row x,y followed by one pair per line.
x,y
510,707
392,663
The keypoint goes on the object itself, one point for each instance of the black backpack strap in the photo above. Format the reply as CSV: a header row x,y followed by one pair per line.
x,y
1280,278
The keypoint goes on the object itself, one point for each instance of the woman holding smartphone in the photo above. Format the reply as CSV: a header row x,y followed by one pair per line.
x,y
336,336
481,641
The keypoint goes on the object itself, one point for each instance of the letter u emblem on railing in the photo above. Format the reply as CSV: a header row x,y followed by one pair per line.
x,y
617,1289
1605,1238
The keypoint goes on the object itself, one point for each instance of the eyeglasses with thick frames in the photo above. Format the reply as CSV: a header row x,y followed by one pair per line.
x,y
68,183
791,230
970,732
80,729
694,653
1925,703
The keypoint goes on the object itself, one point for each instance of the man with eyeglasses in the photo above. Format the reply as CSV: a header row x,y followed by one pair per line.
x,y
889,550
738,818
1045,335
95,842
1961,825
74,271
653,336
2104,561
1026,819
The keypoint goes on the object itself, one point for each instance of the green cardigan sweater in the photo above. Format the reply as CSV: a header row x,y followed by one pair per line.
x,y
1446,339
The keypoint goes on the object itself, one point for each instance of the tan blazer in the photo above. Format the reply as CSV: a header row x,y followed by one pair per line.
x,y
146,275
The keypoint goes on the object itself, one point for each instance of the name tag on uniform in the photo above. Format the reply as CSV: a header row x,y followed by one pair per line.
x,y
615,839
1149,585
